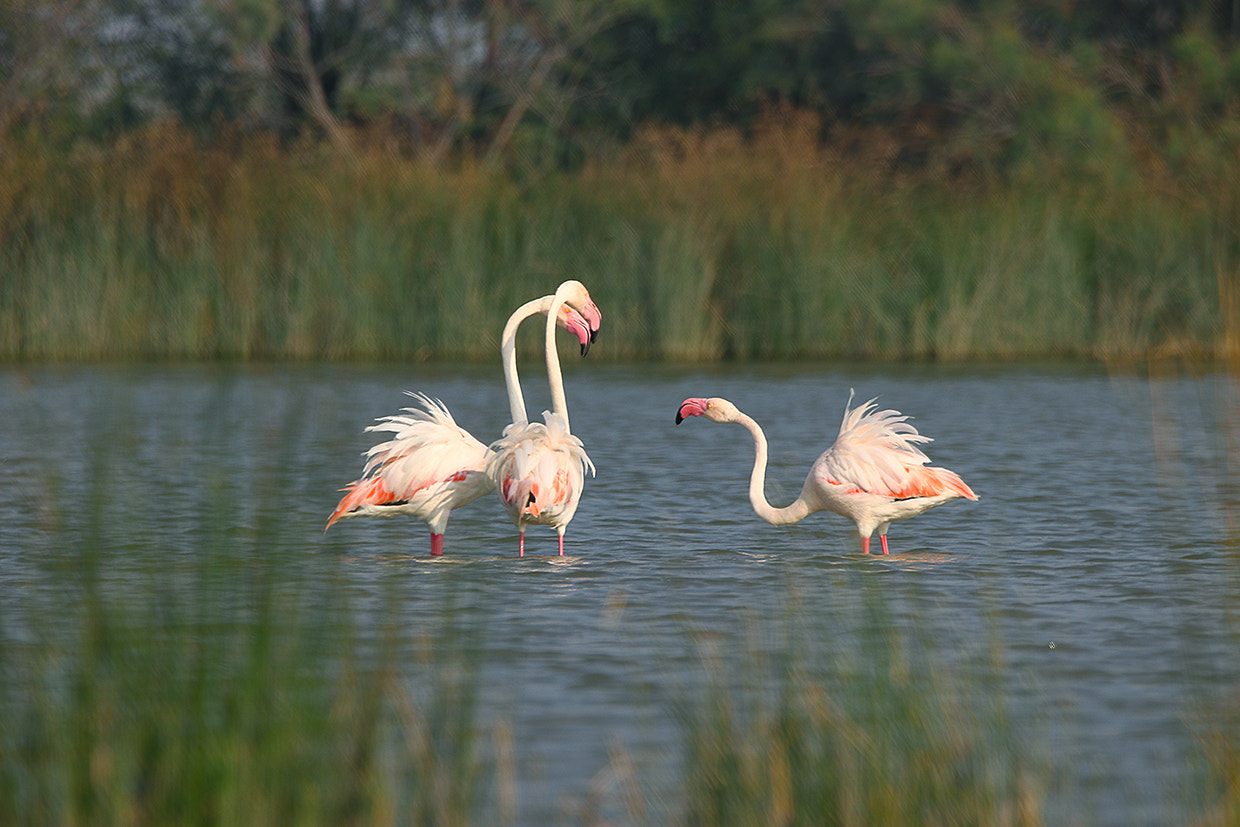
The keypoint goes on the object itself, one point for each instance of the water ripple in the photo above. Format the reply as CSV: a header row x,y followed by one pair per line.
x,y
1099,576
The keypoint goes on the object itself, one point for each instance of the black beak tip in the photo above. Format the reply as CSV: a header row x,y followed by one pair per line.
x,y
679,418
593,334
585,348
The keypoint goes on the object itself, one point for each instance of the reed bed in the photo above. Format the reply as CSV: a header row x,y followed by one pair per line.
x,y
238,700
701,245
233,698
888,733
213,691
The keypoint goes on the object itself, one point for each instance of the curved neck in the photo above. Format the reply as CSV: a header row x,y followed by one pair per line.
x,y
508,353
799,508
559,403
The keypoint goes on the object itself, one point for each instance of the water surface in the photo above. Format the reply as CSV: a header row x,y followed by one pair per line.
x,y
1099,567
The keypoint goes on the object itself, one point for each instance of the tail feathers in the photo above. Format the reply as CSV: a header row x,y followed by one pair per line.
x,y
934,482
373,491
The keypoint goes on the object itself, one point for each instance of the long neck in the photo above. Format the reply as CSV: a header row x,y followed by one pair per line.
x,y
559,403
508,352
798,510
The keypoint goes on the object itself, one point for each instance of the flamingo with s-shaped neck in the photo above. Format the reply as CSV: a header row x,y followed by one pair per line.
x,y
539,468
874,474
431,465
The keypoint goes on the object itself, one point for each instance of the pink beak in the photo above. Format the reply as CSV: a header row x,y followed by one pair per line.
x,y
693,406
594,319
576,324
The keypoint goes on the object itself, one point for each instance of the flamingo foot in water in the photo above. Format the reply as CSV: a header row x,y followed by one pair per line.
x,y
436,545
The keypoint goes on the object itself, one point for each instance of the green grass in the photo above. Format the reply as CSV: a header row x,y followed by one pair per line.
x,y
225,697
698,246
889,736
233,698
148,717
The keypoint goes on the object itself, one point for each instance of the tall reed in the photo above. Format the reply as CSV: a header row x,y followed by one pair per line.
x,y
699,245
884,731
161,667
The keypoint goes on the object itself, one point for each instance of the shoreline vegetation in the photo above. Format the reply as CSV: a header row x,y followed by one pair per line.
x,y
701,244
348,181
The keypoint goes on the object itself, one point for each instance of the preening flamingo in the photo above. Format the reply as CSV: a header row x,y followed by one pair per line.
x,y
539,467
431,465
874,474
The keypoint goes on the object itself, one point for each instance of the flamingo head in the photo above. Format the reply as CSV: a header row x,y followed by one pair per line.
x,y
576,294
523,495
576,324
714,409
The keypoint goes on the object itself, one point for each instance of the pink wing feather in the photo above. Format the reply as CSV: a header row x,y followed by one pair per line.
x,y
427,449
877,452
544,460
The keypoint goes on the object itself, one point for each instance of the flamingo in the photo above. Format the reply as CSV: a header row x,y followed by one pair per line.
x,y
539,467
874,474
431,465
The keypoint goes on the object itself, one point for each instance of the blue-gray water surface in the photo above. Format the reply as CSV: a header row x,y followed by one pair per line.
x,y
1097,573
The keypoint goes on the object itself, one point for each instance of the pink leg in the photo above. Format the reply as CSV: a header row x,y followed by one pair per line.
x,y
883,537
865,545
561,545
521,545
436,545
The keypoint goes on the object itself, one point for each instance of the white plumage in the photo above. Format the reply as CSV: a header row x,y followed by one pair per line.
x,y
431,465
874,473
539,470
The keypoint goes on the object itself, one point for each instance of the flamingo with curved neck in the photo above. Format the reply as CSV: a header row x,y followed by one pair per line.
x,y
431,465
576,298
874,473
539,468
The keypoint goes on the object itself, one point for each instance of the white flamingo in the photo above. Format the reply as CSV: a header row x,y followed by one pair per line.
x,y
431,465
539,468
874,474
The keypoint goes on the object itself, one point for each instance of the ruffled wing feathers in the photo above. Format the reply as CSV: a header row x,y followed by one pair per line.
x,y
525,446
877,452
427,448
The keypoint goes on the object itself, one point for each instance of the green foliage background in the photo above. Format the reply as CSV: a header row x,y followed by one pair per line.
x,y
752,180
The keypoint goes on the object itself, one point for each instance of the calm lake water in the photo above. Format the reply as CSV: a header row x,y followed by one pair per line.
x,y
1099,569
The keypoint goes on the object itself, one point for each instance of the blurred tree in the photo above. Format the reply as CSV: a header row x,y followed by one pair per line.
x,y
187,56
969,82
37,43
531,73
684,62
449,70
